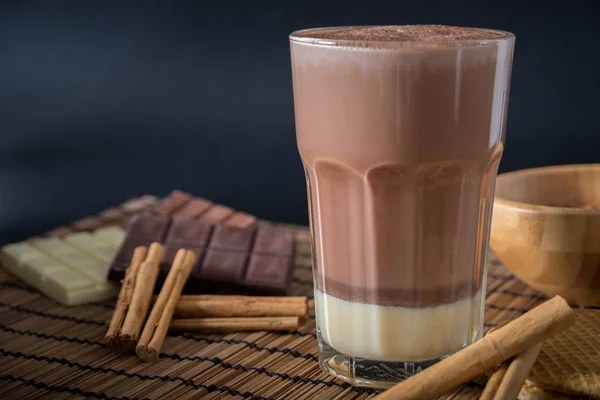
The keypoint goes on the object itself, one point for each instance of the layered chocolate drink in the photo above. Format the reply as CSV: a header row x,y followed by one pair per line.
x,y
400,130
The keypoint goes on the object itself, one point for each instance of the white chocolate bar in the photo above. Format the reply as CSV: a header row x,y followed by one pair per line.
x,y
72,270
104,251
112,235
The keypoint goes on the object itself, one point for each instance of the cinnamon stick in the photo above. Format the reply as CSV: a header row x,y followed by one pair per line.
x,y
496,376
235,324
124,300
141,298
524,332
156,327
517,372
239,308
494,381
270,299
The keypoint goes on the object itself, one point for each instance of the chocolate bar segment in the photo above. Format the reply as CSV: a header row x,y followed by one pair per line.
x,y
216,214
265,273
185,234
182,205
224,266
140,204
232,239
193,208
241,220
149,227
143,229
274,241
188,232
229,260
173,202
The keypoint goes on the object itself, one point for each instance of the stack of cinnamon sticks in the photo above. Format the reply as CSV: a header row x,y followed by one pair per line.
x,y
229,313
506,381
514,347
130,329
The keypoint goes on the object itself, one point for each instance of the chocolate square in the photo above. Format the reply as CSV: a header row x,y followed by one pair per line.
x,y
216,214
225,266
188,232
172,202
241,220
231,238
193,208
274,241
269,272
149,227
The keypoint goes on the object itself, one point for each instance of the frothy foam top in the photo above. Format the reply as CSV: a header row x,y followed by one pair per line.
x,y
404,33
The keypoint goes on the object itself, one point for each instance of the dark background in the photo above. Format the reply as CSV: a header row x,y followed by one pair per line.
x,y
101,101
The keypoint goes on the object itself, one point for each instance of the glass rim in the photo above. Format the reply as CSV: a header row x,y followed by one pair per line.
x,y
500,36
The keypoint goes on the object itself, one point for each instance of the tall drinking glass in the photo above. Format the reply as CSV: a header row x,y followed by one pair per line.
x,y
400,130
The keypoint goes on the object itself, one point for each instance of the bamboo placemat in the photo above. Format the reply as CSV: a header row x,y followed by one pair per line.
x,y
51,351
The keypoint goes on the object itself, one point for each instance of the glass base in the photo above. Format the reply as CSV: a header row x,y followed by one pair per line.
x,y
368,373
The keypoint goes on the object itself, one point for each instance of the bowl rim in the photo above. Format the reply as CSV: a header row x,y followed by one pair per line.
x,y
538,208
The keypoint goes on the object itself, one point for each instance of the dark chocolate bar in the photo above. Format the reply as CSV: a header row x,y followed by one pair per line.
x,y
183,205
230,260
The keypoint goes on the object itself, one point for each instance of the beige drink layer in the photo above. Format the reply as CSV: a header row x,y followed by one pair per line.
x,y
400,146
390,333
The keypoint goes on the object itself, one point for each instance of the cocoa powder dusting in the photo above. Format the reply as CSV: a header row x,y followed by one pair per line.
x,y
408,33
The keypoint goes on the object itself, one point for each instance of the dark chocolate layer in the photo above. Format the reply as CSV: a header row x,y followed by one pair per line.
x,y
399,297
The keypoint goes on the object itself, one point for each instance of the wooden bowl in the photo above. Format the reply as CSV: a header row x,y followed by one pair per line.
x,y
542,233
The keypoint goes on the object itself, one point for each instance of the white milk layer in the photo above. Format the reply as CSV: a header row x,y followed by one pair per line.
x,y
390,333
